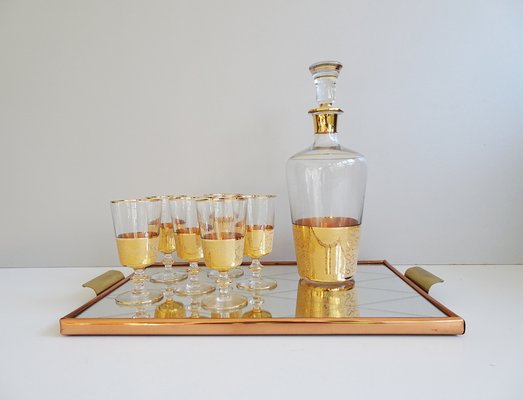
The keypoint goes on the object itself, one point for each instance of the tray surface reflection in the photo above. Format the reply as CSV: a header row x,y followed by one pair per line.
x,y
377,292
379,301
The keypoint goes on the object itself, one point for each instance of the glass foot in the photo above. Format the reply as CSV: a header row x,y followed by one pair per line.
x,y
194,289
259,284
168,277
234,273
231,302
133,299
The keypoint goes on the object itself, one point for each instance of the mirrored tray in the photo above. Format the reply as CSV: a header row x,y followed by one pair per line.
x,y
381,301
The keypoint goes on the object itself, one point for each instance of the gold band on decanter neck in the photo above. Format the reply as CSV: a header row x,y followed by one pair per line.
x,y
325,119
325,123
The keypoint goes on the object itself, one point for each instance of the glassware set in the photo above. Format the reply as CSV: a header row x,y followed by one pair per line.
x,y
326,186
218,228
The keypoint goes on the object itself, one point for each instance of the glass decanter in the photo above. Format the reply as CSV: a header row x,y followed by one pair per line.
x,y
326,185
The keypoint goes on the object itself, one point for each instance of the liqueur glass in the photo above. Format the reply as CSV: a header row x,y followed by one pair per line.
x,y
137,228
234,273
222,229
188,243
166,245
259,234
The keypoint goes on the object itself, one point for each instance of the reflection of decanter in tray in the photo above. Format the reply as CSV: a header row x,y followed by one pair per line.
x,y
326,300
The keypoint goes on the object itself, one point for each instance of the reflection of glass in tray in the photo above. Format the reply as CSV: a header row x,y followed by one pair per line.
x,y
257,312
170,309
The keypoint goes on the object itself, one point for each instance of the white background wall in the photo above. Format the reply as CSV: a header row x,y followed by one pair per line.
x,y
115,99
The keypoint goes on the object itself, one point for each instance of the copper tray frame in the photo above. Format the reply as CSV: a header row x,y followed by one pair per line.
x,y
451,324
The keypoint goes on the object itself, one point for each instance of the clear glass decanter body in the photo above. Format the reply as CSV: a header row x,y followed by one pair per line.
x,y
326,185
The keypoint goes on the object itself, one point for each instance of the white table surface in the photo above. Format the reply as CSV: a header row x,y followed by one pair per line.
x,y
485,363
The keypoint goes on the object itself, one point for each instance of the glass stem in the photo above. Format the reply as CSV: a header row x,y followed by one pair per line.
x,y
168,263
194,272
139,279
223,283
256,268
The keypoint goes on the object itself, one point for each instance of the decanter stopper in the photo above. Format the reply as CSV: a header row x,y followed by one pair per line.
x,y
325,116
325,74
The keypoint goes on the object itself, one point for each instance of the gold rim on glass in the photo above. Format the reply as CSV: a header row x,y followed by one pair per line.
x,y
259,196
220,199
142,200
161,197
223,195
183,197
